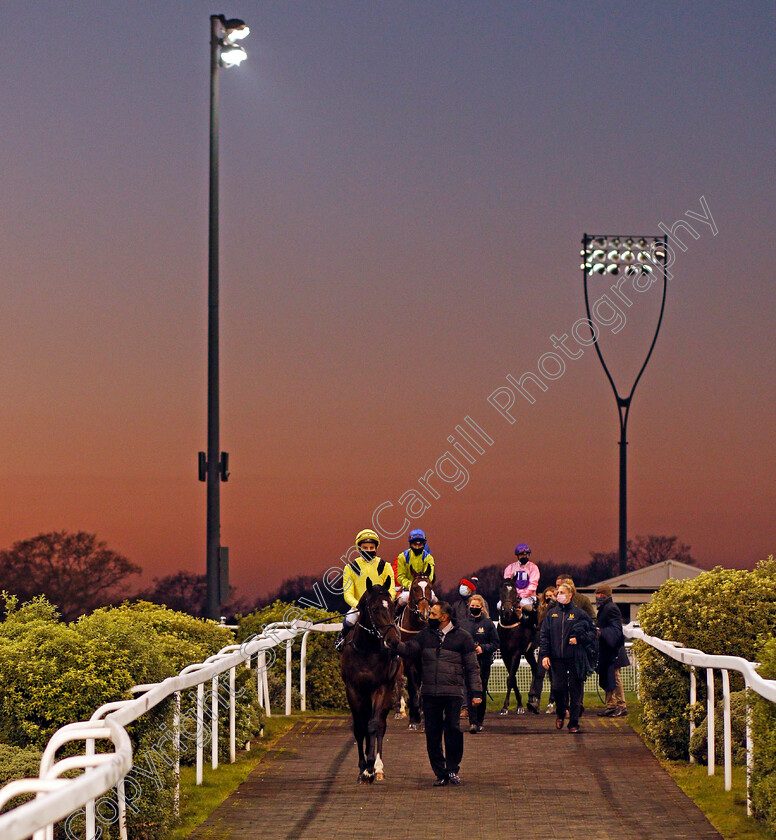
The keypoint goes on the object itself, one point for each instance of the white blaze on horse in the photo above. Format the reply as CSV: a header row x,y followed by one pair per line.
x,y
369,670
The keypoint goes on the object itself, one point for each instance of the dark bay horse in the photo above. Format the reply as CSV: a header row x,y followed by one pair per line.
x,y
518,636
412,621
369,670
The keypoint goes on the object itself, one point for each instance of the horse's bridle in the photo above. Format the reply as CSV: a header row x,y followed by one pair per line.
x,y
510,610
374,629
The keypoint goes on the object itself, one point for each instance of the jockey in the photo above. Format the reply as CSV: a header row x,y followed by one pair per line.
x,y
526,577
415,558
368,566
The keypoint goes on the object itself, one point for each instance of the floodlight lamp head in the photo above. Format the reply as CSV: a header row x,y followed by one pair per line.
x,y
235,30
231,55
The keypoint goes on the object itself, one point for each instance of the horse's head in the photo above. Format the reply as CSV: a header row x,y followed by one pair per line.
x,y
376,609
509,612
421,594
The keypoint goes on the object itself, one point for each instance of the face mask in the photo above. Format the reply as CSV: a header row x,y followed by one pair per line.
x,y
368,555
476,611
465,591
563,598
433,623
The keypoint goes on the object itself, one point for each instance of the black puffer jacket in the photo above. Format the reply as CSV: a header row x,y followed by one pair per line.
x,y
449,665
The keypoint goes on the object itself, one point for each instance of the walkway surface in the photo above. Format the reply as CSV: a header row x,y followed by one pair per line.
x,y
522,779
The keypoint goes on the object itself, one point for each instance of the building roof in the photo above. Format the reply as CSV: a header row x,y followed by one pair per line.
x,y
650,577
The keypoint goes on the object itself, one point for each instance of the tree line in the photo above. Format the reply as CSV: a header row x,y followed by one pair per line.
x,y
79,573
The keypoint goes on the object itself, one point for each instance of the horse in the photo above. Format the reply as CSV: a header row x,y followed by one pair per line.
x,y
369,670
412,621
518,636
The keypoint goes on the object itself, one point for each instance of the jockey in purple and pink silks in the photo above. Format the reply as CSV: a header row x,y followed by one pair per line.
x,y
525,574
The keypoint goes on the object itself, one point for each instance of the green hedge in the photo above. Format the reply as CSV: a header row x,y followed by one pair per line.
x,y
724,611
699,740
52,673
325,689
764,740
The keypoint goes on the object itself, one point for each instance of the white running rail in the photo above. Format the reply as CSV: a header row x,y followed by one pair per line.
x,y
710,662
57,798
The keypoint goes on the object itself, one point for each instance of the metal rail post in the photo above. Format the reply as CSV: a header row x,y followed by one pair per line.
x,y
726,731
693,701
710,720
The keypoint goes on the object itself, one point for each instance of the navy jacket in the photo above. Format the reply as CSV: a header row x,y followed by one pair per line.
x,y
561,623
484,633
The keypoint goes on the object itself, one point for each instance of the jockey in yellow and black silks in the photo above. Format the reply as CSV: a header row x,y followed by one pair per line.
x,y
367,566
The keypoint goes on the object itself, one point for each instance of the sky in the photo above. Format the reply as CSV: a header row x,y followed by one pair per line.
x,y
404,188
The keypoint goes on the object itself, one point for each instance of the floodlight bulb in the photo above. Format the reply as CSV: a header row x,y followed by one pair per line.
x,y
642,243
599,268
599,254
627,256
232,55
237,33
613,269
615,242
612,255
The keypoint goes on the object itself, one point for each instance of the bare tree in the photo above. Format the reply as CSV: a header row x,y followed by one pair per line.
x,y
75,571
182,591
643,551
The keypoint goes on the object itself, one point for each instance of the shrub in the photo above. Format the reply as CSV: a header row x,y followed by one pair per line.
x,y
699,740
52,674
724,611
764,740
18,763
325,689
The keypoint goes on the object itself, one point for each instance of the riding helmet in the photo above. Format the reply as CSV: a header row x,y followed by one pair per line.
x,y
367,534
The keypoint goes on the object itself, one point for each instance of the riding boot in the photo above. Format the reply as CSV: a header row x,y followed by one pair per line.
x,y
341,640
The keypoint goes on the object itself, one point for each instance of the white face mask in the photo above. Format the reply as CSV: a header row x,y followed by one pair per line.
x,y
563,598
465,591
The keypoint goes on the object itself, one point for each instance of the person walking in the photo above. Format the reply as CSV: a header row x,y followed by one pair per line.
x,y
449,668
566,639
611,652
486,642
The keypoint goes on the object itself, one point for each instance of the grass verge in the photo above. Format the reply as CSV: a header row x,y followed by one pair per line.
x,y
724,809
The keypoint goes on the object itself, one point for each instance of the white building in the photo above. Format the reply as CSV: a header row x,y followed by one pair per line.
x,y
631,590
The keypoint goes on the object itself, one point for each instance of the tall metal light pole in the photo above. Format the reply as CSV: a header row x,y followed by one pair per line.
x,y
640,259
214,466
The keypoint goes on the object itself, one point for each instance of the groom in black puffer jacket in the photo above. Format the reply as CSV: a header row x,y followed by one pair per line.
x,y
449,666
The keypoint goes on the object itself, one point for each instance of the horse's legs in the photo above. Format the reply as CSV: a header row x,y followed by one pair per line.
x,y
397,693
537,679
360,733
413,690
510,683
383,708
518,696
